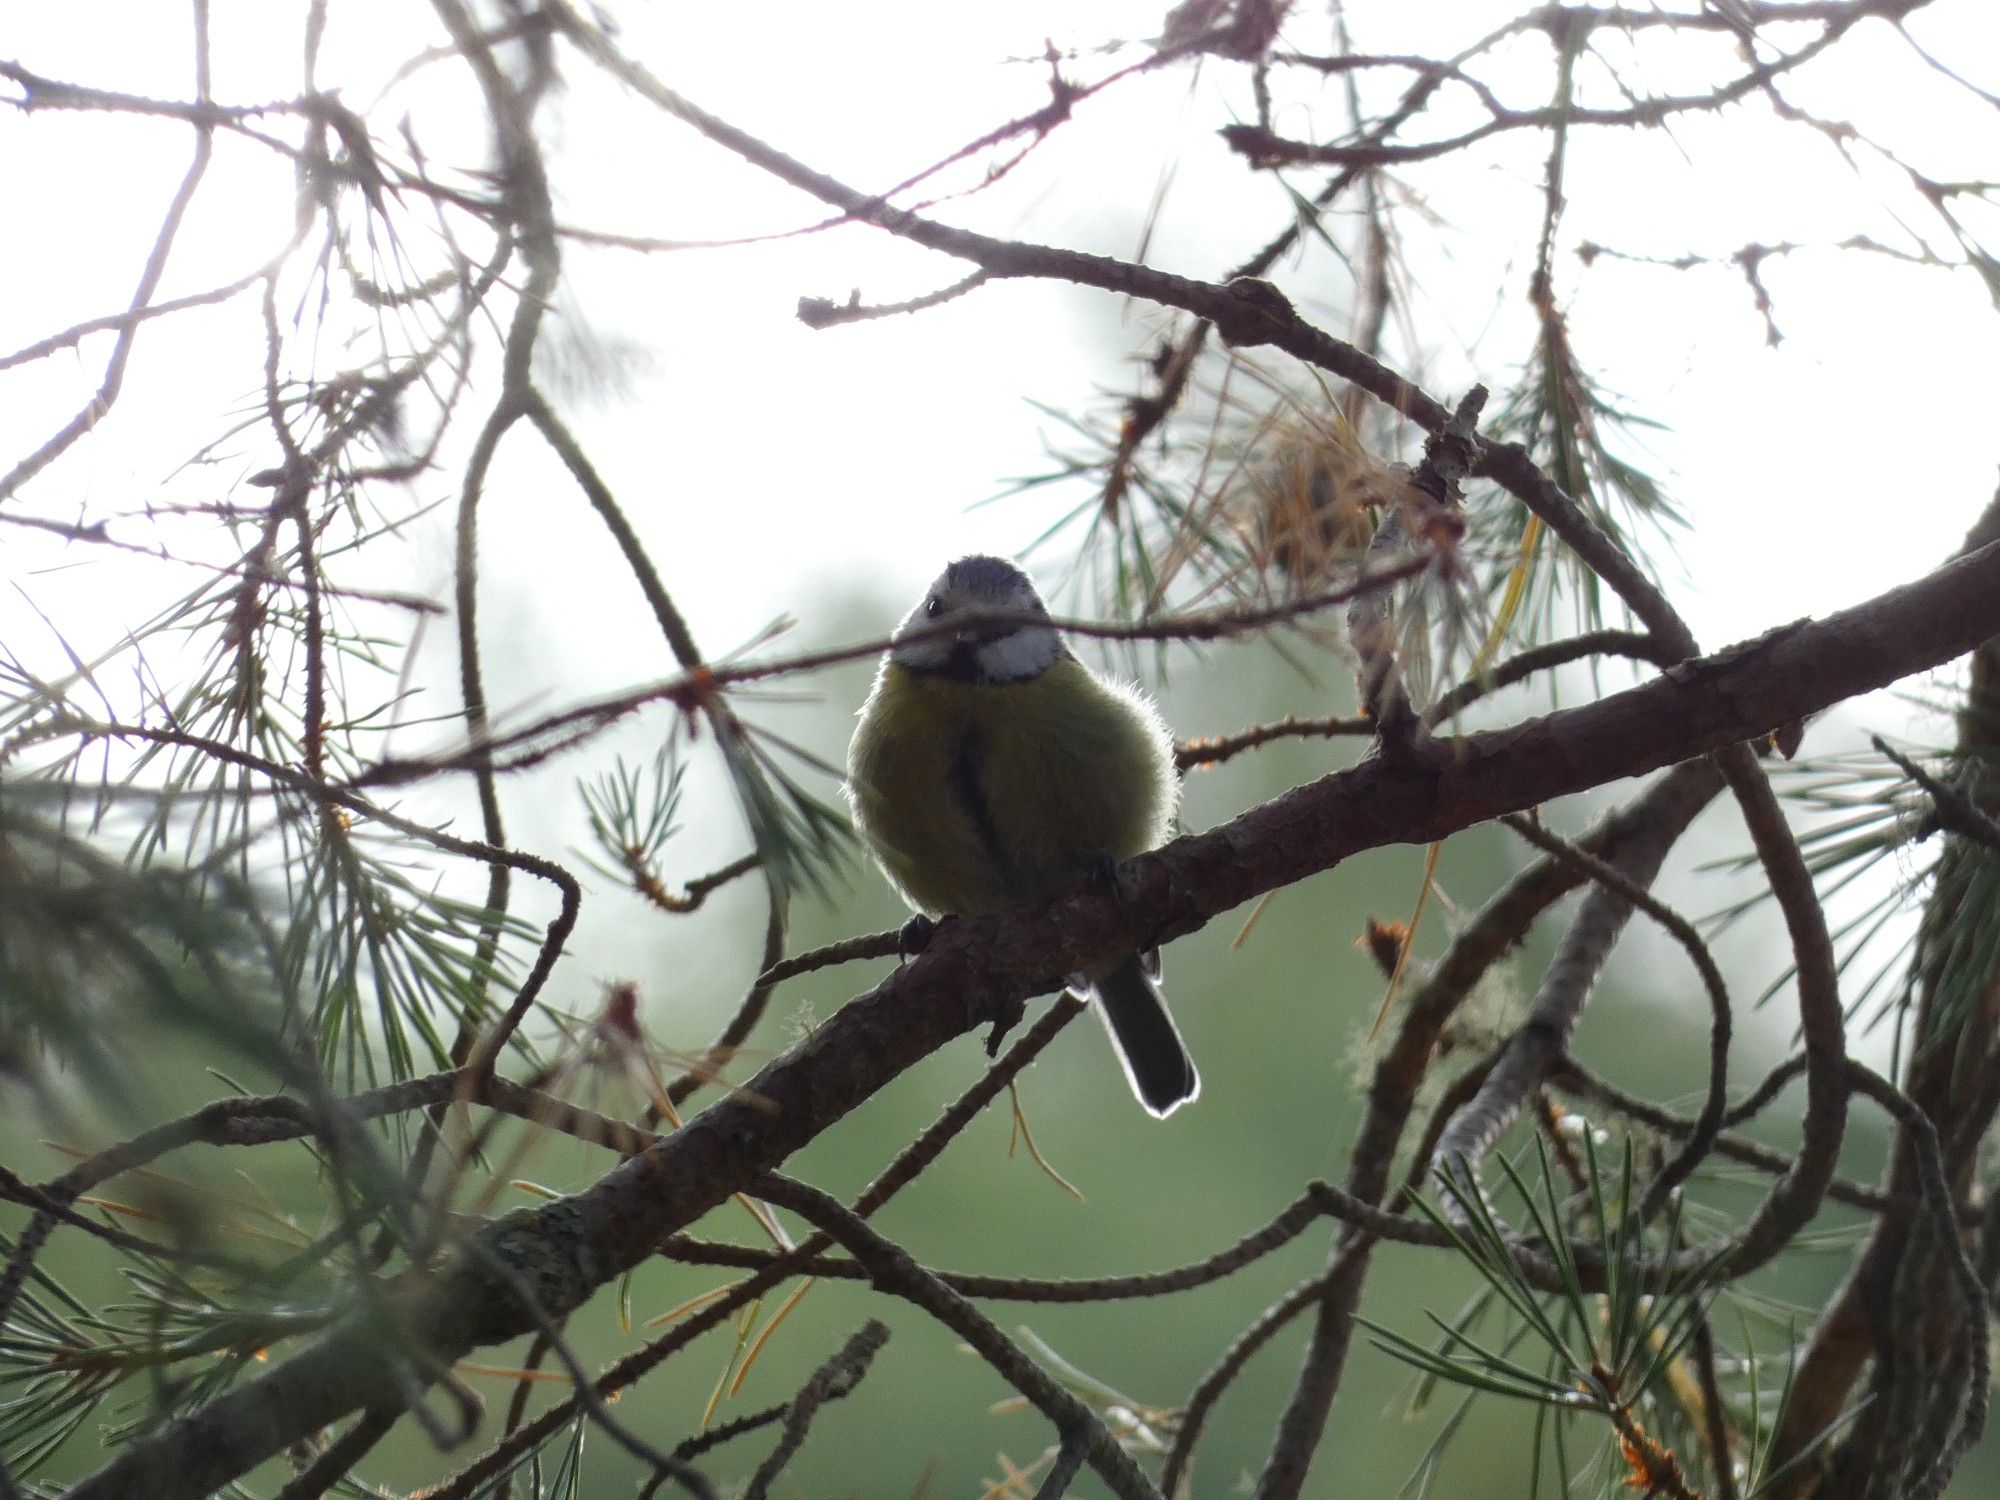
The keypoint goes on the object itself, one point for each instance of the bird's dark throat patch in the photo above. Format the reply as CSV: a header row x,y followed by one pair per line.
x,y
970,793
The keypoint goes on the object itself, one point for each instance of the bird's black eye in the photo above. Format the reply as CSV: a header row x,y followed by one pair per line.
x,y
933,607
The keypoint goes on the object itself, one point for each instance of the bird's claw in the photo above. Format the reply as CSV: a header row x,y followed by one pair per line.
x,y
1105,875
1124,889
915,936
1004,1021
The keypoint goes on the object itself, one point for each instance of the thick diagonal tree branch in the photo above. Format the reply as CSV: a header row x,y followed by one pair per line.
x,y
1950,1075
975,970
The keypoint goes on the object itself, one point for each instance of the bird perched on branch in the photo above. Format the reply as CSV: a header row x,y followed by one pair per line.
x,y
990,767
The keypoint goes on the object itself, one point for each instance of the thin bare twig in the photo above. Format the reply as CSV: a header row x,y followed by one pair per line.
x,y
113,380
1214,751
894,1271
1320,1200
696,690
747,1015
832,1380
1571,1077
846,951
1953,809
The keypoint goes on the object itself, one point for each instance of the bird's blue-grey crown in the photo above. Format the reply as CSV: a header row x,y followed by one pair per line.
x,y
990,651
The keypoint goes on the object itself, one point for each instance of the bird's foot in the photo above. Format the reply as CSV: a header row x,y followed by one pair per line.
x,y
1112,878
915,936
1005,1020
1109,877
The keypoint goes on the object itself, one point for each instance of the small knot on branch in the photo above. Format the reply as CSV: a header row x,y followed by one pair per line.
x,y
1258,313
1450,452
823,312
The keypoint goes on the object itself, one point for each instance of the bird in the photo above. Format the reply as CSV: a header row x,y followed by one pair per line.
x,y
990,767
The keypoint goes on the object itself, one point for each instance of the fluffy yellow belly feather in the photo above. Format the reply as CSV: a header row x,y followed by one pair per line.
x,y
981,796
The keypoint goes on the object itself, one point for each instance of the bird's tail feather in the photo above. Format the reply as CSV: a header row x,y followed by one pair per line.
x,y
1143,1034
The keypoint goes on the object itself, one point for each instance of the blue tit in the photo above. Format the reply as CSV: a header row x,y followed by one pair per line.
x,y
991,767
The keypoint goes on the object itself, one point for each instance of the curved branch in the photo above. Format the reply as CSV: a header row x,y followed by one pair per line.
x,y
1709,1124
1318,1201
893,1270
1524,1063
1571,1077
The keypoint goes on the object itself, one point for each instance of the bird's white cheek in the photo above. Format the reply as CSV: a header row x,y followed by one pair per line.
x,y
1018,656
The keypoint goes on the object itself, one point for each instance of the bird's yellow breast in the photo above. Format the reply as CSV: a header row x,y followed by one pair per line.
x,y
977,796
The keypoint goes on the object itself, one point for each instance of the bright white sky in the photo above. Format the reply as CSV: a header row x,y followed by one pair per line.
x,y
1851,457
